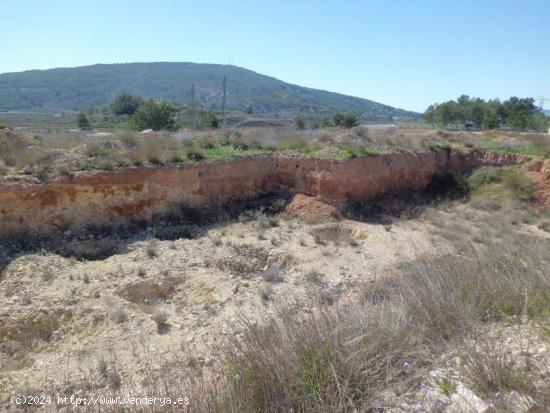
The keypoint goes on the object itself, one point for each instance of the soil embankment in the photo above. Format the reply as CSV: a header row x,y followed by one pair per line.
x,y
106,197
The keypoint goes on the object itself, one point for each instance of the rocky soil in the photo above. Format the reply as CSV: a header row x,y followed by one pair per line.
x,y
63,319
60,316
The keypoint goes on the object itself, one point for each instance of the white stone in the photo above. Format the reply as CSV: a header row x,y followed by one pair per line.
x,y
463,400
27,170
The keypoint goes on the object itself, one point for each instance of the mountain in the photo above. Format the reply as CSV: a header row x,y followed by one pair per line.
x,y
546,112
73,89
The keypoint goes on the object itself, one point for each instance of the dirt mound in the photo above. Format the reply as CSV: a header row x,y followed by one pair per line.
x,y
539,171
311,209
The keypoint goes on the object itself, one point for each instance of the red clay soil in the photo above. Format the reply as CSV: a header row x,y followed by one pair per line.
x,y
65,203
539,171
311,209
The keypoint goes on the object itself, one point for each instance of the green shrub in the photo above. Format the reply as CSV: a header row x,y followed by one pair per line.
x,y
126,104
194,154
367,151
483,177
209,121
447,386
82,121
152,115
346,120
491,188
520,184
299,123
96,150
240,144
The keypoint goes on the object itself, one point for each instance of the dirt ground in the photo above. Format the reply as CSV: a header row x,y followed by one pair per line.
x,y
61,315
62,319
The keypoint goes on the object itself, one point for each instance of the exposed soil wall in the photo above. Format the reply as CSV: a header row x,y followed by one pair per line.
x,y
539,171
112,196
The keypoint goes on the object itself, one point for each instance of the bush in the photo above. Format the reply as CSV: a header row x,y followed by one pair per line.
x,y
541,144
314,125
119,316
326,123
161,320
520,184
194,154
152,115
346,120
483,177
494,187
151,249
492,368
126,104
82,121
206,142
240,144
272,275
299,123
209,121
160,317
95,150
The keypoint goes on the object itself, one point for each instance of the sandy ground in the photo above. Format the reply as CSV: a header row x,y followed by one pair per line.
x,y
61,317
60,314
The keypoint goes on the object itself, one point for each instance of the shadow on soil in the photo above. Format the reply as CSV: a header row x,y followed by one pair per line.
x,y
98,242
409,204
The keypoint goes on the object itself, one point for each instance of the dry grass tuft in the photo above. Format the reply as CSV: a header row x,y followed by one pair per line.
x,y
494,188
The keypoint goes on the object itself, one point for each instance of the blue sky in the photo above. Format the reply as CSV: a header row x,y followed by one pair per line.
x,y
407,54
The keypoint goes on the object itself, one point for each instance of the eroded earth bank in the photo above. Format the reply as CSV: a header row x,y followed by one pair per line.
x,y
114,197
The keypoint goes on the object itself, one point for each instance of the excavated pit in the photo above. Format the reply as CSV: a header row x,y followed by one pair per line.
x,y
108,208
406,204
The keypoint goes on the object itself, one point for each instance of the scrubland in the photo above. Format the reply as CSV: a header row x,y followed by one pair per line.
x,y
66,152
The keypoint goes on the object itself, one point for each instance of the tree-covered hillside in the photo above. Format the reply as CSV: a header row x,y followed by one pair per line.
x,y
80,88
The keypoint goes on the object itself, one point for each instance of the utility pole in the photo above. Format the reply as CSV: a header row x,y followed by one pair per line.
x,y
541,102
193,108
223,104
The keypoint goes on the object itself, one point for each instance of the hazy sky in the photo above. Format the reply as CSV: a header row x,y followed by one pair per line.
x,y
407,54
